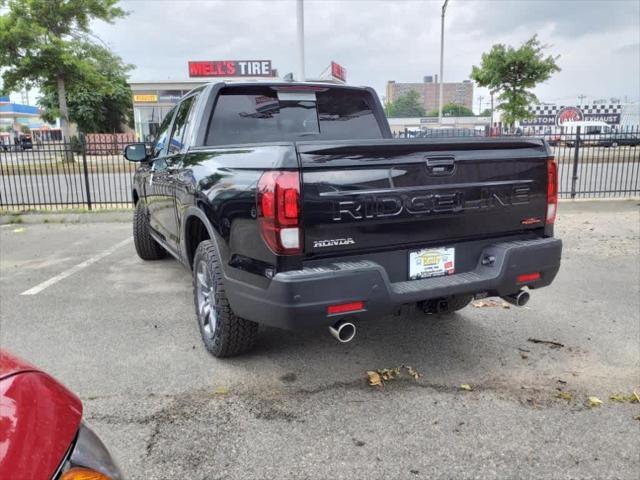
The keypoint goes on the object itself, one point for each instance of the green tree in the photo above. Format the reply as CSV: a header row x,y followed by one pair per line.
x,y
485,113
512,72
43,43
95,106
452,110
407,105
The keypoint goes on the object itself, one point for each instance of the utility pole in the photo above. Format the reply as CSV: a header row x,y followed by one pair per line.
x,y
581,98
300,17
444,10
480,97
491,108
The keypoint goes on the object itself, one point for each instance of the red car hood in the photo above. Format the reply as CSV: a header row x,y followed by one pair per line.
x,y
39,419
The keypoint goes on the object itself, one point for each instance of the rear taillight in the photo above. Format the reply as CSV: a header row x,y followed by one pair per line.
x,y
552,190
278,199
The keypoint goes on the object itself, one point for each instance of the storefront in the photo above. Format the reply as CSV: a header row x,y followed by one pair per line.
x,y
153,100
18,120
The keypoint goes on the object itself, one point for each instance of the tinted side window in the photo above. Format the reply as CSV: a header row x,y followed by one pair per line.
x,y
180,126
163,134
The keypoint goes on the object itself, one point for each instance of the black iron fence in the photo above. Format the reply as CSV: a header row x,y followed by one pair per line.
x,y
88,172
92,173
593,163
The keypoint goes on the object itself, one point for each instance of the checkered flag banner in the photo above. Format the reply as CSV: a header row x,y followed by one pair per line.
x,y
555,115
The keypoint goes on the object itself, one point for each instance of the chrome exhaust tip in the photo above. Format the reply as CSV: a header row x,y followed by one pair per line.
x,y
343,331
519,299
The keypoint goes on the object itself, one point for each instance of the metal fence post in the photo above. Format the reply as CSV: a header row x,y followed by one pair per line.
x,y
576,155
86,170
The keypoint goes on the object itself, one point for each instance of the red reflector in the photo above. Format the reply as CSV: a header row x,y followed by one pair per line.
x,y
345,307
552,191
528,277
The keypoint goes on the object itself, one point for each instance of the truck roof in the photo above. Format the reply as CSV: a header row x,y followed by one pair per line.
x,y
282,83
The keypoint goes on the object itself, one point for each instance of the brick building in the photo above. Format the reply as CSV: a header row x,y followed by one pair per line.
x,y
460,93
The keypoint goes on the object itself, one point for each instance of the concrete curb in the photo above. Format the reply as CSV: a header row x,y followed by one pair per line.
x,y
61,217
107,216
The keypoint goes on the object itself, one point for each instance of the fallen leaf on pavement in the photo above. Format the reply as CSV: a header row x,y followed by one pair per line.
x,y
565,396
485,303
381,375
389,373
221,391
551,343
19,230
374,379
466,387
594,402
412,371
619,397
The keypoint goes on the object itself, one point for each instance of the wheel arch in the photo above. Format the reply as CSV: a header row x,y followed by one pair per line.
x,y
196,228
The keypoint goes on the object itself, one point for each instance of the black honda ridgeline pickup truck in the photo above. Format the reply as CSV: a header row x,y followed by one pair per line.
x,y
294,207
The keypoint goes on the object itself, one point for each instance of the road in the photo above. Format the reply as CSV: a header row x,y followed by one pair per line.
x,y
64,189
122,334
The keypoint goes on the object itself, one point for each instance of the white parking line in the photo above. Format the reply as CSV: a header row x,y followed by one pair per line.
x,y
76,268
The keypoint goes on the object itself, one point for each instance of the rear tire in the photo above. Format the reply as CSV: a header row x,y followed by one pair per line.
x,y
224,334
446,305
146,247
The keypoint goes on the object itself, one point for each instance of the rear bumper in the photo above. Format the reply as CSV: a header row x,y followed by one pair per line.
x,y
299,299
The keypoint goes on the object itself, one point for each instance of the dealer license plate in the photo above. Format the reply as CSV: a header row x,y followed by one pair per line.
x,y
431,262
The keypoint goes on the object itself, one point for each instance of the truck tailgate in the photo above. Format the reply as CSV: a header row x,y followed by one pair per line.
x,y
381,194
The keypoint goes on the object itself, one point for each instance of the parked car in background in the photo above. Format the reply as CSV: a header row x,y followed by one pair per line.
x,y
621,139
553,140
589,132
26,143
42,435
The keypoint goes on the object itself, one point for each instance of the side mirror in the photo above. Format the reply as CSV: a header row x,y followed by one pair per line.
x,y
136,152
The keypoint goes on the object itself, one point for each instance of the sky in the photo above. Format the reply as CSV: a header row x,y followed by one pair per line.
x,y
598,42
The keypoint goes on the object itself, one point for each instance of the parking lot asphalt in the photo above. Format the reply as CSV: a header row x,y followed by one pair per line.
x,y
122,334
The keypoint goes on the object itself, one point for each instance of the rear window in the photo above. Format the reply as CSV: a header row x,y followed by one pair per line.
x,y
256,115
